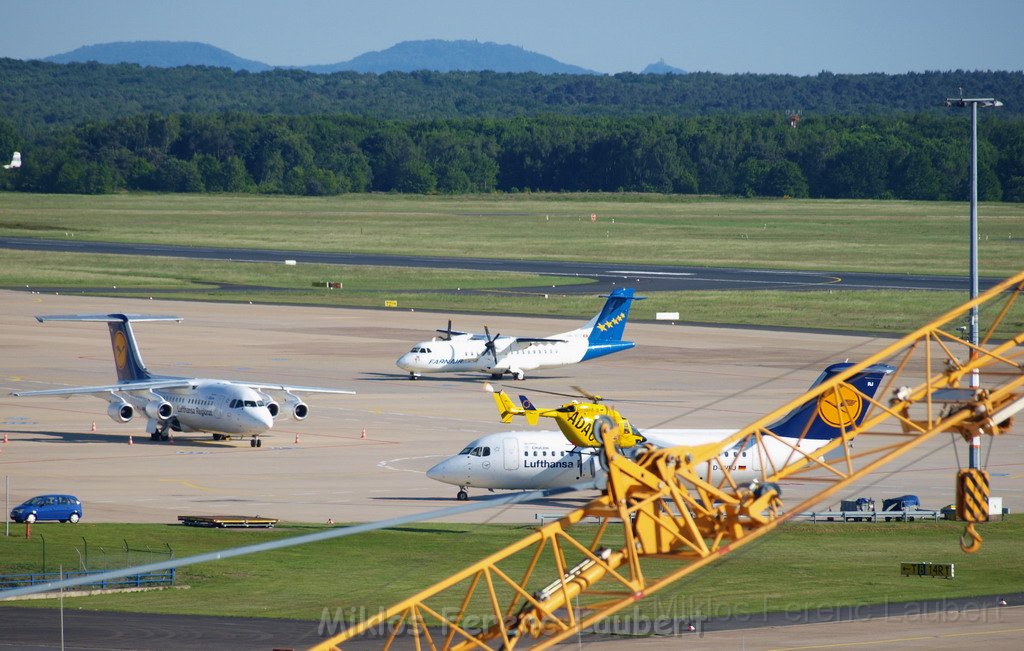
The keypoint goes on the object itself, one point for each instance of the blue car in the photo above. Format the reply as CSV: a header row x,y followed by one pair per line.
x,y
63,508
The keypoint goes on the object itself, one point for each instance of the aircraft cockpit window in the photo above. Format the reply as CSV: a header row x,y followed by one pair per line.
x,y
250,403
236,404
487,452
477,452
466,450
426,350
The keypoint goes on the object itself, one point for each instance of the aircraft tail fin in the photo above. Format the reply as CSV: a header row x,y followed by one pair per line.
x,y
15,161
531,413
506,408
127,359
827,416
607,328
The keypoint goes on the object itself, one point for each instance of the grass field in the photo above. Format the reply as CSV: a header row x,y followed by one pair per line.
x,y
882,236
800,567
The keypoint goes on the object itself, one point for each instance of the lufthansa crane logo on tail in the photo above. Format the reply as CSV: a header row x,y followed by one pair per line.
x,y
841,406
120,351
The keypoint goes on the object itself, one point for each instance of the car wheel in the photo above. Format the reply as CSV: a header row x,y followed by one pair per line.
x,y
74,518
30,518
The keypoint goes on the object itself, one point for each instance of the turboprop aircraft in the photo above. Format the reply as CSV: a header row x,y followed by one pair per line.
x,y
528,460
223,408
497,355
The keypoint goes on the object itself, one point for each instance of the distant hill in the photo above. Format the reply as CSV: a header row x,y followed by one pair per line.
x,y
662,68
160,54
408,56
448,56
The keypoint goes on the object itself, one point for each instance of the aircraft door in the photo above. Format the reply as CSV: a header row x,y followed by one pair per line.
x,y
511,454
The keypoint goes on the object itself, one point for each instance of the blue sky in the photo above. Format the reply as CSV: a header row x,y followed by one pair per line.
x,y
783,36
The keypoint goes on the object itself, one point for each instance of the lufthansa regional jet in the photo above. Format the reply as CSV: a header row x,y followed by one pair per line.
x,y
223,408
529,460
497,355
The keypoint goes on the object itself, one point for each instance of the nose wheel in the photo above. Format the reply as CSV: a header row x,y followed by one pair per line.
x,y
462,495
255,442
414,376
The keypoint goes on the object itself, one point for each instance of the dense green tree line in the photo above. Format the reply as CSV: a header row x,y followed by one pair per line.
x,y
34,94
922,156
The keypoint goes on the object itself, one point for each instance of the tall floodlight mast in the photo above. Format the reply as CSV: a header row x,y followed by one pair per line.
x,y
974,103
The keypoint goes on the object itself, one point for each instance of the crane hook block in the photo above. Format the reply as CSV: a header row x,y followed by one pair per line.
x,y
975,544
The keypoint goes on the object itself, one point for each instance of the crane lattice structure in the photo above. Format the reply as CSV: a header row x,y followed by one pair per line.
x,y
661,521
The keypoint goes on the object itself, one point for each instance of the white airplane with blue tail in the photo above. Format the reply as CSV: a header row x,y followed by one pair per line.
x,y
458,352
223,408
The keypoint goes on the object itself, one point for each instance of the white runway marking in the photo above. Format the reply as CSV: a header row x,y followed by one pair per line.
x,y
387,463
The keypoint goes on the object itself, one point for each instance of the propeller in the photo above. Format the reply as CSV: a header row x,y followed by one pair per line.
x,y
447,332
489,346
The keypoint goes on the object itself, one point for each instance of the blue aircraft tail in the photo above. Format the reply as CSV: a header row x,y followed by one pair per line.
x,y
127,360
607,327
825,417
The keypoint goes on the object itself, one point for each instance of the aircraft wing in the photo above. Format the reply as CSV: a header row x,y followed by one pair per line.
x,y
125,387
519,343
288,388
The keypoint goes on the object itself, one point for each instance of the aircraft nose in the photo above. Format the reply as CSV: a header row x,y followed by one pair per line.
x,y
404,361
263,419
443,472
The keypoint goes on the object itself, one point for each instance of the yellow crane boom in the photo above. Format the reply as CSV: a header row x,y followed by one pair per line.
x,y
656,507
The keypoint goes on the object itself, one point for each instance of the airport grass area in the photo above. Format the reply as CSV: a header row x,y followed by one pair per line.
x,y
879,236
800,567
840,235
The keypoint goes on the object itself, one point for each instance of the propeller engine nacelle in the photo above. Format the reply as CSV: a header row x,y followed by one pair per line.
x,y
159,409
296,409
120,412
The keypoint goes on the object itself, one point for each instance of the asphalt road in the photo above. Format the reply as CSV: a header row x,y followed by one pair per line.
x,y
606,275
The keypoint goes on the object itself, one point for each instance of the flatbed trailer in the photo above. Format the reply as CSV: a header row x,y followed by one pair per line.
x,y
224,521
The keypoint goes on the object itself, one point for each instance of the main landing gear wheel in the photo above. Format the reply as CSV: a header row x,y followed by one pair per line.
x,y
518,375
255,443
462,495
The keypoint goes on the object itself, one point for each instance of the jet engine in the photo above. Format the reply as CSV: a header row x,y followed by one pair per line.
x,y
296,409
120,412
159,409
272,405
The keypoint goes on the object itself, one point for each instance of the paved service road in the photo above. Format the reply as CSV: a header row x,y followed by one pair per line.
x,y
607,275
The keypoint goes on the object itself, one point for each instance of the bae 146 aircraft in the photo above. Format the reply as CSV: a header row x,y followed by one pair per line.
x,y
223,408
529,460
497,355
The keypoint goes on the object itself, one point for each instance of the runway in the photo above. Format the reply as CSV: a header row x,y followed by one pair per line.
x,y
606,275
678,376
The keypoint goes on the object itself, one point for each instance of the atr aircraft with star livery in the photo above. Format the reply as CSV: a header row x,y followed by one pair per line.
x,y
457,352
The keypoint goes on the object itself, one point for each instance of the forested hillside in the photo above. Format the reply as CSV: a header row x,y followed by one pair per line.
x,y
911,157
101,128
35,94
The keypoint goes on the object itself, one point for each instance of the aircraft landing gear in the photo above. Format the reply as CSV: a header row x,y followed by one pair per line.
x,y
221,437
518,375
162,433
414,376
462,495
255,442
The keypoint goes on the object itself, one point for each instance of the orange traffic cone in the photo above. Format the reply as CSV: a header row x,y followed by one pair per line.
x,y
130,441
5,437
296,439
363,435
93,427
